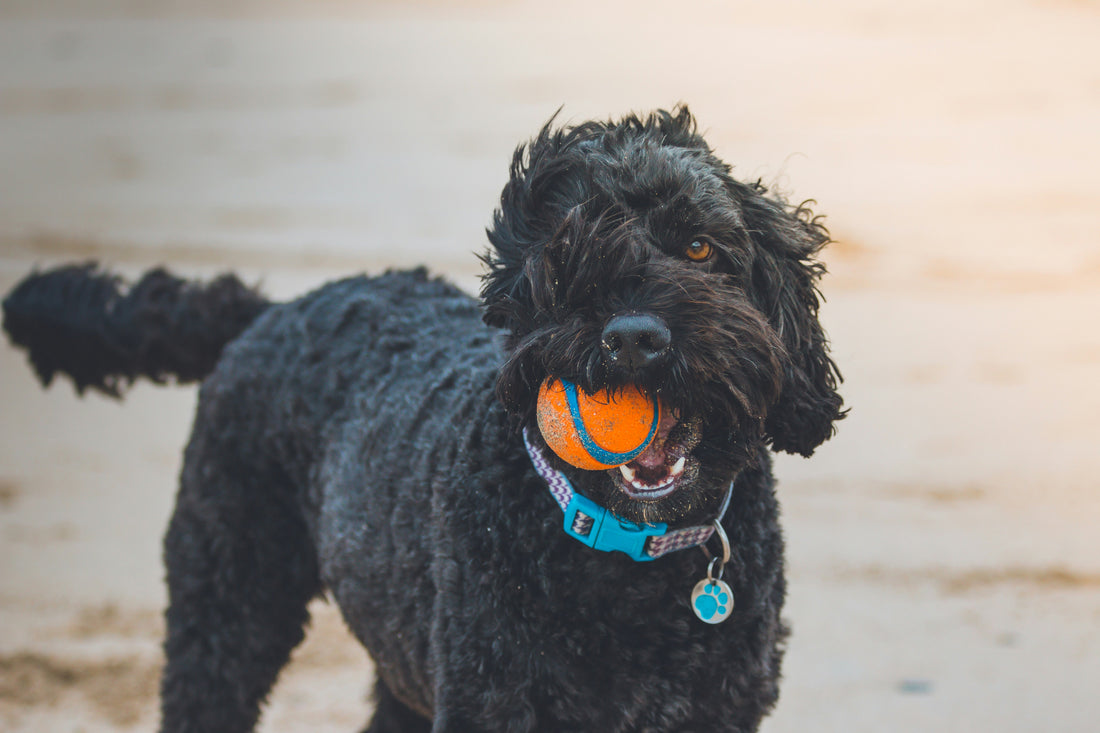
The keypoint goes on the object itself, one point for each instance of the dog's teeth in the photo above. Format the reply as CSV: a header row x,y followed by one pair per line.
x,y
628,473
678,467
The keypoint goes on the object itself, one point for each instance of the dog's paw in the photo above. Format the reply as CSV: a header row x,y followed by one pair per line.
x,y
712,604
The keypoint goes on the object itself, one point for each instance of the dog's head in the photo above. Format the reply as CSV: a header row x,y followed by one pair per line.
x,y
625,253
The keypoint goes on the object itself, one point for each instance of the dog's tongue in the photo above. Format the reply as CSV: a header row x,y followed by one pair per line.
x,y
655,456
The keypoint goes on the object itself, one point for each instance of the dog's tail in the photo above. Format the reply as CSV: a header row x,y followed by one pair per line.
x,y
87,323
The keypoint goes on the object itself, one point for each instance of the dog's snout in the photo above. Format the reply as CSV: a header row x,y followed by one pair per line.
x,y
634,341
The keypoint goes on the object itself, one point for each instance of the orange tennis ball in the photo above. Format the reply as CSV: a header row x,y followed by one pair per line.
x,y
596,431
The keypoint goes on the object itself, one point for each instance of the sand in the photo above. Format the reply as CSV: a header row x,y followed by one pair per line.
x,y
944,557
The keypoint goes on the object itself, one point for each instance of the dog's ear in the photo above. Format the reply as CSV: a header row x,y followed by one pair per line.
x,y
504,289
519,223
784,284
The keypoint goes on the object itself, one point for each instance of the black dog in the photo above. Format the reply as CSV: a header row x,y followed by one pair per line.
x,y
368,441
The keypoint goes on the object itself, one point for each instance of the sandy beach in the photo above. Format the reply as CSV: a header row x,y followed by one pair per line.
x,y
943,548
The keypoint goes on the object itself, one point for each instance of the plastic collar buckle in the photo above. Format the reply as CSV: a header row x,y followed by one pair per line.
x,y
608,532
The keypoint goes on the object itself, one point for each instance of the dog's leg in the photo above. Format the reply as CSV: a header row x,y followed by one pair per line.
x,y
393,716
241,570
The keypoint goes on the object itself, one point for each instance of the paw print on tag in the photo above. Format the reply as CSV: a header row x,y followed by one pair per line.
x,y
712,601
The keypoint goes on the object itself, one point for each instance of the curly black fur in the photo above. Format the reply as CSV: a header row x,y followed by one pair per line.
x,y
78,321
363,440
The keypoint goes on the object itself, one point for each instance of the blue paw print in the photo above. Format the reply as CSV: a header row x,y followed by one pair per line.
x,y
712,602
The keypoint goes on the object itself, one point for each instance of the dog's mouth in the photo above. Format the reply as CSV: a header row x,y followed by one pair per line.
x,y
665,465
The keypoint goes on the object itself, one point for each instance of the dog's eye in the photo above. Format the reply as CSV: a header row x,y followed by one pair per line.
x,y
699,251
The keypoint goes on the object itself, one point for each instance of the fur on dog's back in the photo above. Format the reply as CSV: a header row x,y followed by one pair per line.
x,y
392,345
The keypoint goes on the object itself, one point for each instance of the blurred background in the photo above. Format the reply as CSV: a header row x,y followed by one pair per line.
x,y
944,551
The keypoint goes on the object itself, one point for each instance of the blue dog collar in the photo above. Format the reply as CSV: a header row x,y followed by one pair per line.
x,y
595,526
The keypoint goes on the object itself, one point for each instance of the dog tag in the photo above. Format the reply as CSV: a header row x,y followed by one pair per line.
x,y
712,600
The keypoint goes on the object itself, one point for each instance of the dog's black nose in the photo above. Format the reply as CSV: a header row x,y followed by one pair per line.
x,y
634,341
